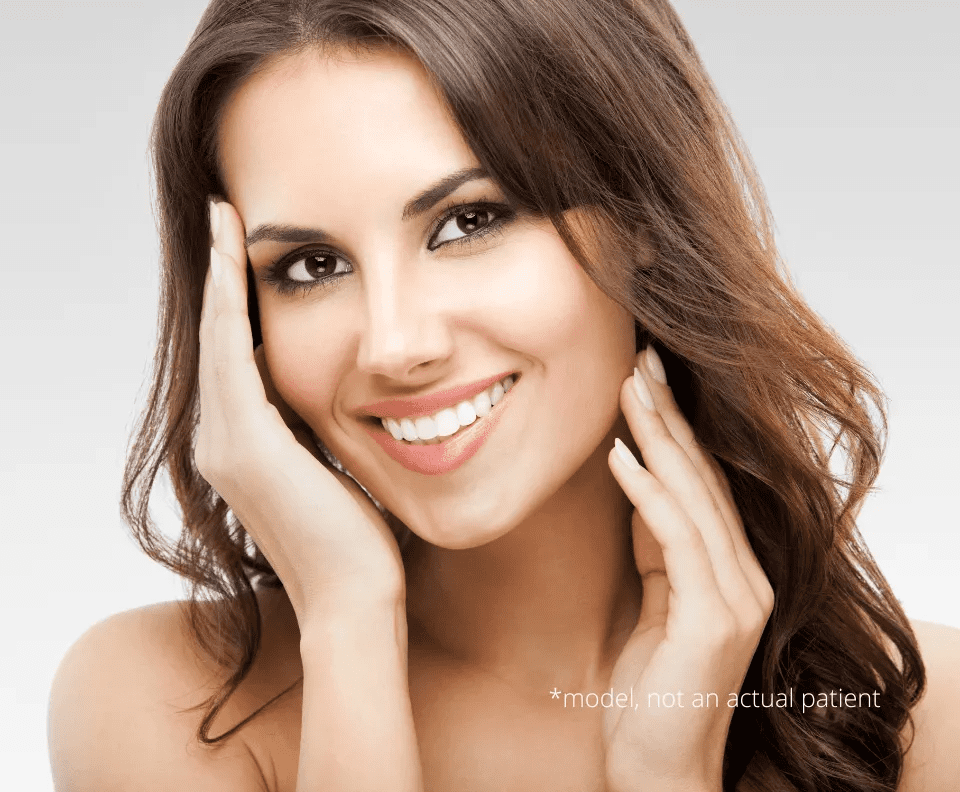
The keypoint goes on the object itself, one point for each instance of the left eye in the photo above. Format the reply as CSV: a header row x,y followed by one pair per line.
x,y
467,221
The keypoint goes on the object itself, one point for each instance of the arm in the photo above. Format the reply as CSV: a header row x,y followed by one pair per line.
x,y
357,724
115,721
332,548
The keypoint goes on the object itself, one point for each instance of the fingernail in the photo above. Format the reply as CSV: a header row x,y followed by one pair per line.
x,y
215,266
641,389
625,455
214,219
655,366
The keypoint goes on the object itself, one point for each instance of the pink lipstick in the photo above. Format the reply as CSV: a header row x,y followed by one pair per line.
x,y
451,452
425,405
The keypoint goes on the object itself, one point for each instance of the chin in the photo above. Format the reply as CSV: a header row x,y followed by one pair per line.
x,y
464,522
465,539
462,534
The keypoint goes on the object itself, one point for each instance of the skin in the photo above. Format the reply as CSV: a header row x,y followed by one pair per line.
x,y
408,321
508,591
499,537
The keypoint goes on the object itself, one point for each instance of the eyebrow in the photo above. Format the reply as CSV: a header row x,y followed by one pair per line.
x,y
426,200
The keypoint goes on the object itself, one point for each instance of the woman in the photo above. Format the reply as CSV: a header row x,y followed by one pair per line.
x,y
471,262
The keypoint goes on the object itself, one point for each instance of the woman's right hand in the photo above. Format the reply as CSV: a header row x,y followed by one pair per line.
x,y
325,539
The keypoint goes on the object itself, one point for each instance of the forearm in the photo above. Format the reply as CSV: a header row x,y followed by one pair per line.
x,y
357,725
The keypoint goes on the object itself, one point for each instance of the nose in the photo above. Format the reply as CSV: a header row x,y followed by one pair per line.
x,y
405,332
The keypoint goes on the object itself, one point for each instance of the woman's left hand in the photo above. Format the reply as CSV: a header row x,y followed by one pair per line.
x,y
705,602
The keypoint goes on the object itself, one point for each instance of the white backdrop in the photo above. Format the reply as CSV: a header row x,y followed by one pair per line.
x,y
850,110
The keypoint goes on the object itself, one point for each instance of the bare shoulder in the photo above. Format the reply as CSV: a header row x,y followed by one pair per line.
x,y
933,763
119,711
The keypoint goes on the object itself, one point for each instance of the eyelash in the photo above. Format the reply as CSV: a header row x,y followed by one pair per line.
x,y
276,275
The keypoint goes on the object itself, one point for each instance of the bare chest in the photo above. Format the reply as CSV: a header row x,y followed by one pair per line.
x,y
479,735
473,736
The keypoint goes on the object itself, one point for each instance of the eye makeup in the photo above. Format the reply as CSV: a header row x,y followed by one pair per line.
x,y
278,273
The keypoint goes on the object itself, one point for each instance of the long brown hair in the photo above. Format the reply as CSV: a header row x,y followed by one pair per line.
x,y
605,105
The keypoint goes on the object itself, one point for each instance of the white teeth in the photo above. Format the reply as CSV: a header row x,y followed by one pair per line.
x,y
394,428
408,429
426,428
466,414
450,420
447,423
481,404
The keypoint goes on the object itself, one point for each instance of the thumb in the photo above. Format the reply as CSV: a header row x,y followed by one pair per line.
x,y
648,556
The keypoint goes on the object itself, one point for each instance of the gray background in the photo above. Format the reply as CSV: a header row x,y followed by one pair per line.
x,y
849,108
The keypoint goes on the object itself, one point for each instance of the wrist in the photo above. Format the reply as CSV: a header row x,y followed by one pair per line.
x,y
355,616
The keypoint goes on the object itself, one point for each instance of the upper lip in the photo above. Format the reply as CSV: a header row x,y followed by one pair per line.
x,y
420,406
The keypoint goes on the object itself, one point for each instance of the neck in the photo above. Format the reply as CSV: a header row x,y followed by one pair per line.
x,y
549,603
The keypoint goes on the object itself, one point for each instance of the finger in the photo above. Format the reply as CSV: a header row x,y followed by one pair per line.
x,y
229,240
204,373
688,567
668,462
710,471
648,556
682,432
239,385
651,565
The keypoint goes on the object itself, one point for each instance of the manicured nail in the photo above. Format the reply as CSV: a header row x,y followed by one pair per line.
x,y
641,389
655,366
216,271
625,455
214,219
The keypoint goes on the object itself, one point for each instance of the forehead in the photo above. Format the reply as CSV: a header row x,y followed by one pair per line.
x,y
312,120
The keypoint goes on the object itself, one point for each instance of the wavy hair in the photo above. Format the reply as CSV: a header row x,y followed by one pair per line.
x,y
602,104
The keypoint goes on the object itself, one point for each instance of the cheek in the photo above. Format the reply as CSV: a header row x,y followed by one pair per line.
x,y
305,359
547,307
581,344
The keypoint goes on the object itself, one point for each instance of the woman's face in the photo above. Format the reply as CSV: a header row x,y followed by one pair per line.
x,y
375,303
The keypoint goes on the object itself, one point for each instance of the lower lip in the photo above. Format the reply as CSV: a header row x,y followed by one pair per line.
x,y
439,458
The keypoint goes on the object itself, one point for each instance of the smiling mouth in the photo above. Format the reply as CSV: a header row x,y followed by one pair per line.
x,y
449,422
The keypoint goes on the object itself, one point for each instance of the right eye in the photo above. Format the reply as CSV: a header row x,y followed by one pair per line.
x,y
315,267
304,272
